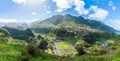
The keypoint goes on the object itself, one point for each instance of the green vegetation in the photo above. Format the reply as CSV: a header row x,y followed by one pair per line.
x,y
4,33
20,34
98,36
65,39
64,49
12,50
69,19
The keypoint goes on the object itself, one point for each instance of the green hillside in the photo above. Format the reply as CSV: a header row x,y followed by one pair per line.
x,y
19,50
22,34
58,19
11,49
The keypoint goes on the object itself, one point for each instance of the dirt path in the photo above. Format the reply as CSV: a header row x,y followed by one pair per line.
x,y
112,52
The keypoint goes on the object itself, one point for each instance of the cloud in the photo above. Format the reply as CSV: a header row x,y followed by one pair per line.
x,y
43,0
29,21
7,20
111,4
98,13
19,1
63,4
59,10
115,23
80,7
48,12
114,7
29,2
66,4
33,13
47,9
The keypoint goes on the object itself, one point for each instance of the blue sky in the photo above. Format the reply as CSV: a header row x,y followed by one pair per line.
x,y
106,11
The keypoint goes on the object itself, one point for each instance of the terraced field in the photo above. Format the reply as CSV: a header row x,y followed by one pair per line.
x,y
64,49
12,50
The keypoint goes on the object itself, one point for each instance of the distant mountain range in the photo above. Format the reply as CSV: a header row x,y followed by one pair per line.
x,y
58,19
15,25
61,19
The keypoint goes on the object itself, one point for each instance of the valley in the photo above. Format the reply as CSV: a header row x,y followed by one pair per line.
x,y
59,30
68,39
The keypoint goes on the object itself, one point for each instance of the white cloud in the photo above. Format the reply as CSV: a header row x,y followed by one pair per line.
x,y
33,13
80,7
48,12
98,13
43,0
114,7
66,4
19,1
29,2
111,4
114,23
59,10
63,4
7,20
47,9
29,21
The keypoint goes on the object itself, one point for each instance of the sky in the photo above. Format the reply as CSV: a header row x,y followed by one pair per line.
x,y
106,11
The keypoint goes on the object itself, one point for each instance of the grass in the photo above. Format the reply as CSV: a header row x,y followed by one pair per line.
x,y
15,50
65,48
12,50
50,51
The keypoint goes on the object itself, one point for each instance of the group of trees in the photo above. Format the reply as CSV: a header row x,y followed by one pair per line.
x,y
36,49
41,30
43,44
98,36
4,33
39,42
61,32
20,34
64,33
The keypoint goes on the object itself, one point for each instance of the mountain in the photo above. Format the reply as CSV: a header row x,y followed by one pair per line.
x,y
19,34
16,25
59,19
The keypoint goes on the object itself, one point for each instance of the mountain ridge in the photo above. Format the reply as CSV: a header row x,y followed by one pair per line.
x,y
57,19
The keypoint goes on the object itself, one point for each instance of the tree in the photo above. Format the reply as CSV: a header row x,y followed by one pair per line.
x,y
30,39
20,34
6,33
39,37
80,50
29,32
43,44
98,36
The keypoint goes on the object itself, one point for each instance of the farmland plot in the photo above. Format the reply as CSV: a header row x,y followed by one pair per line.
x,y
65,49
